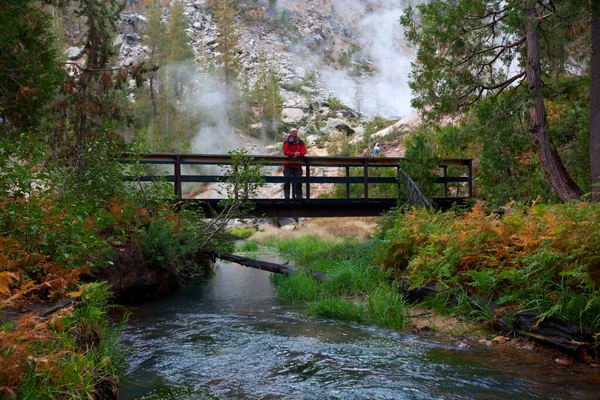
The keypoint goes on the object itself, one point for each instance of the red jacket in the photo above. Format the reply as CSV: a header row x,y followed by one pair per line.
x,y
290,147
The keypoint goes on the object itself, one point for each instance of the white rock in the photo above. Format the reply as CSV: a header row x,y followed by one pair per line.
x,y
312,138
73,53
292,115
118,40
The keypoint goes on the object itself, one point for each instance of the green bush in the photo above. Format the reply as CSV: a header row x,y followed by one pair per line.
x,y
541,258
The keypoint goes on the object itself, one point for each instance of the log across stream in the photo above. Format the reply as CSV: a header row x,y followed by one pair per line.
x,y
567,336
283,269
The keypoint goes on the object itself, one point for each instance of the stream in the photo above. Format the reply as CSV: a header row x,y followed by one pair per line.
x,y
231,338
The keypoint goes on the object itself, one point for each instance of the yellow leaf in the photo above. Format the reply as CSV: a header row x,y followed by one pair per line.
x,y
6,279
79,291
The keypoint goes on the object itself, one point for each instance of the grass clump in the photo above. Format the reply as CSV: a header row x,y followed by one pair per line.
x,y
356,290
242,232
74,354
341,309
249,246
387,307
296,287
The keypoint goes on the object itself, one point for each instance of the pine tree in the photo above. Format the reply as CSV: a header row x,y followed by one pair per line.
x,y
273,100
227,39
265,95
465,47
244,104
595,104
180,49
88,108
30,70
155,34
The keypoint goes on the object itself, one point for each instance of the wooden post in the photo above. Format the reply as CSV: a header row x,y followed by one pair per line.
x,y
347,183
177,173
445,175
307,179
366,179
470,176
398,186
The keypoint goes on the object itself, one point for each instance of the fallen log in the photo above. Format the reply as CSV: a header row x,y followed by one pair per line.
x,y
276,268
567,336
41,311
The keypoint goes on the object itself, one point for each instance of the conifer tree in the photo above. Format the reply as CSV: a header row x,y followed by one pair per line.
x,y
465,47
595,104
180,49
266,96
155,33
228,39
30,70
171,125
244,104
88,108
273,100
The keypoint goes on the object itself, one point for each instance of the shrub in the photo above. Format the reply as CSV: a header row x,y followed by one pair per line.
x,y
543,257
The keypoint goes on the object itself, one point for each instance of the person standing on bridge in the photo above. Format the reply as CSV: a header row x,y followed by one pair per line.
x,y
293,147
376,150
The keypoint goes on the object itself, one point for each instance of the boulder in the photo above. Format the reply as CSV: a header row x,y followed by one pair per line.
x,y
292,115
74,53
339,125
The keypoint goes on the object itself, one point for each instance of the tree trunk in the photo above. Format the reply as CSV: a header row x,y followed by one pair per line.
x,y
283,269
152,94
557,174
595,107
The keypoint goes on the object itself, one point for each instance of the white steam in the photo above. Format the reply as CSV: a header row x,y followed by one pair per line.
x,y
215,135
381,37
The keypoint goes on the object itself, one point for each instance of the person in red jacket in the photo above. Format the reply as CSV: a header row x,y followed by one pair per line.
x,y
293,147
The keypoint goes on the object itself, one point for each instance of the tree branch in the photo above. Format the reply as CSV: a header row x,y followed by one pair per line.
x,y
503,47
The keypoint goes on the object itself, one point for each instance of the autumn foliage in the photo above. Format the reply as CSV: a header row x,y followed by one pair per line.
x,y
544,258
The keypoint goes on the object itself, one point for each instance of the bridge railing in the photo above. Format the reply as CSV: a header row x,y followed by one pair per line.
x,y
177,161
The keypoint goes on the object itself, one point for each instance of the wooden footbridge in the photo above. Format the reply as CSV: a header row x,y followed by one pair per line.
x,y
358,181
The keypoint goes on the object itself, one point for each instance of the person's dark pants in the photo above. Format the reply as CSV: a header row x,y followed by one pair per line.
x,y
297,187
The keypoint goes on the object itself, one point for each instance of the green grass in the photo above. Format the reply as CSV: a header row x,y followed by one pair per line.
x,y
242,232
386,307
349,278
356,290
83,353
341,309
249,246
296,287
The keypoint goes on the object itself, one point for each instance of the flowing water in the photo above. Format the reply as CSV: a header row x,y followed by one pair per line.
x,y
230,338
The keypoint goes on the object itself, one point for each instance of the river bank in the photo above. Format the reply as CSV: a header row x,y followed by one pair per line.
x,y
463,317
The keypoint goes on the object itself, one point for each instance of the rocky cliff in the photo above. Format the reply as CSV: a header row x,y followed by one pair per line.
x,y
352,50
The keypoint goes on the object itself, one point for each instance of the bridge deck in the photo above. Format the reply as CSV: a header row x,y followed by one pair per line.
x,y
347,171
